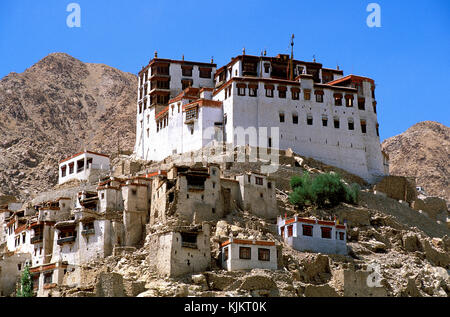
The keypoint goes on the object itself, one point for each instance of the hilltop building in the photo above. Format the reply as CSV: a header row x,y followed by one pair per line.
x,y
184,106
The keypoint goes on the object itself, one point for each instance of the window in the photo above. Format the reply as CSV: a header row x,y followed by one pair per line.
x,y
191,114
294,118
282,92
319,96
349,100
23,237
71,167
225,253
309,119
63,170
307,230
269,185
19,266
205,72
258,180
326,232
269,91
241,91
295,93
263,254
341,235
213,210
351,125
336,123
307,94
186,70
374,105
245,253
185,83
249,178
324,121
48,278
261,195
290,230
338,99
378,129
266,67
373,93
252,91
361,104
269,143
281,117
363,126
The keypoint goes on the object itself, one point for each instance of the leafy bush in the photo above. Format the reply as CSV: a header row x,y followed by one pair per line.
x,y
325,190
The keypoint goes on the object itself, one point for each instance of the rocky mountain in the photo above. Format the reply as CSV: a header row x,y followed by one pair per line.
x,y
422,151
58,107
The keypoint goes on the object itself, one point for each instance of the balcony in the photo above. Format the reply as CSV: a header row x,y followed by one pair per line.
x,y
66,240
37,239
88,232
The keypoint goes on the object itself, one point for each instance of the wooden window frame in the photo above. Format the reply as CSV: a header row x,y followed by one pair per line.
x,y
263,254
306,229
326,232
245,253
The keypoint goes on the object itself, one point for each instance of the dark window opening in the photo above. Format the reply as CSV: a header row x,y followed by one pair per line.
x,y
363,127
326,232
319,98
195,182
307,230
309,119
269,93
263,254
351,125
225,253
341,235
295,119
361,104
281,117
245,253
336,123
189,240
324,122
258,180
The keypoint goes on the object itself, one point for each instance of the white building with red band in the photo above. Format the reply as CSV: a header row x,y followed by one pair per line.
x,y
304,234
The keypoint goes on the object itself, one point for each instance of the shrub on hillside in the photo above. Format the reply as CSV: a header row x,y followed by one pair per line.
x,y
325,190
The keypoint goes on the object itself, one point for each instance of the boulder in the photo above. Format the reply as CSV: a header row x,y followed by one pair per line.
x,y
258,282
109,285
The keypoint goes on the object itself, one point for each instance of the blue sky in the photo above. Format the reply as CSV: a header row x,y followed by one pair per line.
x,y
408,56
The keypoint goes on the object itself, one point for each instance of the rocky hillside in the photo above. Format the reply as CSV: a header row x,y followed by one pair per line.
x,y
55,108
422,151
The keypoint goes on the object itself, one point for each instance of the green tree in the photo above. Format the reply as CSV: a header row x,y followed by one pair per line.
x,y
26,284
325,190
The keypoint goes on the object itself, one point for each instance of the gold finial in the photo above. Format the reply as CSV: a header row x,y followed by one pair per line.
x,y
156,54
212,59
337,67
243,51
182,57
265,52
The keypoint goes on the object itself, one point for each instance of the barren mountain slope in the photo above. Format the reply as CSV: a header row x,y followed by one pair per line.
x,y
55,108
422,151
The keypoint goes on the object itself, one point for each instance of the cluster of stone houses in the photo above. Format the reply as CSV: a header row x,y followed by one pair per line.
x,y
56,237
